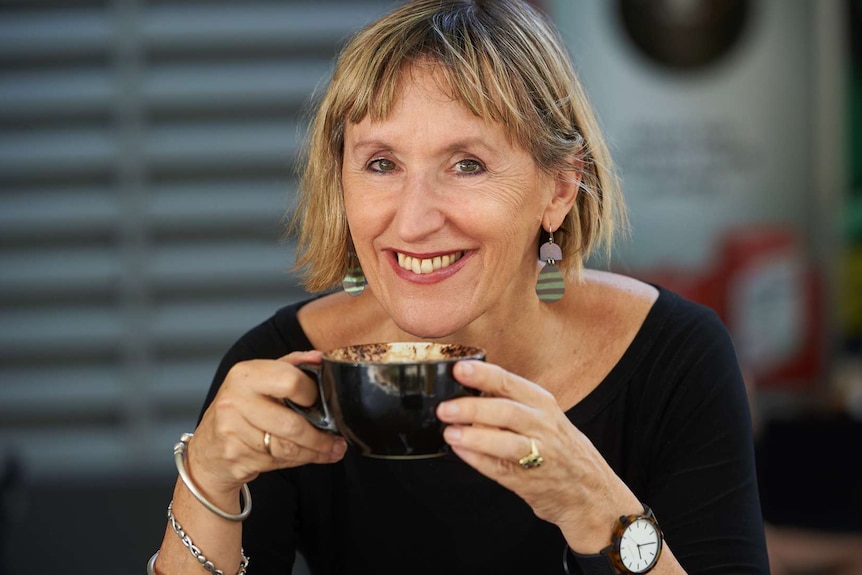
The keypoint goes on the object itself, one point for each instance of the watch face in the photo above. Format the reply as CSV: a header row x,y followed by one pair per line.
x,y
639,546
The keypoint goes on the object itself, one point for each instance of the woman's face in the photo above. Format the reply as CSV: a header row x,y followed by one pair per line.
x,y
444,211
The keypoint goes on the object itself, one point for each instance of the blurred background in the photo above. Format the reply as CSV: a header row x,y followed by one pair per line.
x,y
147,161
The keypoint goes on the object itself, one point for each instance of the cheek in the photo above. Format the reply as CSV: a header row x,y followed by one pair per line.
x,y
515,209
361,215
508,236
361,223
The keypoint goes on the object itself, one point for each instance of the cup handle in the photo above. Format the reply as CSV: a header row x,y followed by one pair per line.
x,y
318,414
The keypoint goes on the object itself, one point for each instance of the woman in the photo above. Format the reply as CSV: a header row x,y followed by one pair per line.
x,y
455,140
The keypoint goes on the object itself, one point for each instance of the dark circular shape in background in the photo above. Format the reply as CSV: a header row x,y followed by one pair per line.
x,y
684,34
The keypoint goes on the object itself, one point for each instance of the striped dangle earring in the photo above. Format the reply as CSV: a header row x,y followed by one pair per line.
x,y
550,286
354,280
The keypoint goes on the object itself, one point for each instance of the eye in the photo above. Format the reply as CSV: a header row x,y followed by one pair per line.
x,y
382,165
469,167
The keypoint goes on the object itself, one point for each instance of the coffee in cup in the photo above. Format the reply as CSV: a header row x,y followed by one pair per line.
x,y
383,397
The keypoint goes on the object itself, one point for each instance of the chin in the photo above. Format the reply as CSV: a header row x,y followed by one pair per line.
x,y
430,322
426,330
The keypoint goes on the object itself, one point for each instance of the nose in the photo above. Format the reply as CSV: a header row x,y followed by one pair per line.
x,y
419,211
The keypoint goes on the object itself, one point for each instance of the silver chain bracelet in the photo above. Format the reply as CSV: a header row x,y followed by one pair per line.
x,y
196,553
194,550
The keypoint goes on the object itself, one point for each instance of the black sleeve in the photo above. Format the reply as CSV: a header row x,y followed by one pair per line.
x,y
702,483
270,532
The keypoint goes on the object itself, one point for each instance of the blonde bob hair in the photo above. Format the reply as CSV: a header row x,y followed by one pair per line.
x,y
503,61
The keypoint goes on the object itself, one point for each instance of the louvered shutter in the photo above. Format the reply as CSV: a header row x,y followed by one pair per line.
x,y
146,165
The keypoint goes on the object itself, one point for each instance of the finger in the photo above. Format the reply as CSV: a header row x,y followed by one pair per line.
x,y
496,443
232,448
287,452
249,445
491,412
305,394
491,467
274,378
297,357
495,381
283,422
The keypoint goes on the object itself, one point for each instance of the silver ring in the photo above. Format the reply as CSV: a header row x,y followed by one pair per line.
x,y
267,442
533,459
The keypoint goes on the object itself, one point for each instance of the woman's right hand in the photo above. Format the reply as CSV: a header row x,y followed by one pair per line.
x,y
228,449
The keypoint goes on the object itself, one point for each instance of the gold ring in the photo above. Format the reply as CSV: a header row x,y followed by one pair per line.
x,y
267,443
532,460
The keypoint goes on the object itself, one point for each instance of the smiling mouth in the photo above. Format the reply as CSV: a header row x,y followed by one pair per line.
x,y
426,266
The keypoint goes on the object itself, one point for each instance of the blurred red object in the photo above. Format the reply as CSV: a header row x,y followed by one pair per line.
x,y
704,288
767,293
772,305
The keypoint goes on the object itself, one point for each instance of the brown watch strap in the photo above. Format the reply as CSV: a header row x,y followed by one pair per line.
x,y
595,564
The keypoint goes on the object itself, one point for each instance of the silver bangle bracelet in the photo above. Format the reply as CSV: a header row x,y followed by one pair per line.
x,y
151,564
193,549
180,459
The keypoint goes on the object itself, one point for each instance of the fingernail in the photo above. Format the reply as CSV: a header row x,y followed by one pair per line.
x,y
465,367
339,447
449,409
452,434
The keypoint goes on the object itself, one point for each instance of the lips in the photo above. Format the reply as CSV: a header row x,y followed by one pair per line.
x,y
427,265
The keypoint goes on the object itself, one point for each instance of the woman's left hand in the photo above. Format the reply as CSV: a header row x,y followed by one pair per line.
x,y
574,488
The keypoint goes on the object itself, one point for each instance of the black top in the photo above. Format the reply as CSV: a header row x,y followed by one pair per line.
x,y
671,418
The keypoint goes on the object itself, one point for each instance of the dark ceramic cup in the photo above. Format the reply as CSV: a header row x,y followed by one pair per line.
x,y
383,397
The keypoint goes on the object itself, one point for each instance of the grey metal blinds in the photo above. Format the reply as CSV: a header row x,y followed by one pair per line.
x,y
146,165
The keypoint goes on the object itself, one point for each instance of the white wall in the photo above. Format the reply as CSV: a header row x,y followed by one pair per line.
x,y
702,151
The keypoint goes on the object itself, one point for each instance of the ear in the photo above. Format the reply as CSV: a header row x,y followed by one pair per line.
x,y
567,184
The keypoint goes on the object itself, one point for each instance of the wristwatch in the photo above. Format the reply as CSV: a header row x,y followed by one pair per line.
x,y
635,548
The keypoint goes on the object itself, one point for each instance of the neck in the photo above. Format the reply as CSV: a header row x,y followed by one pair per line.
x,y
527,339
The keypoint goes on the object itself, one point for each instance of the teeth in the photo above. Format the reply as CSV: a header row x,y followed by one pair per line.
x,y
426,266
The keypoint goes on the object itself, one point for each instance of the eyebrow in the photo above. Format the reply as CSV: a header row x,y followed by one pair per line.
x,y
457,145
